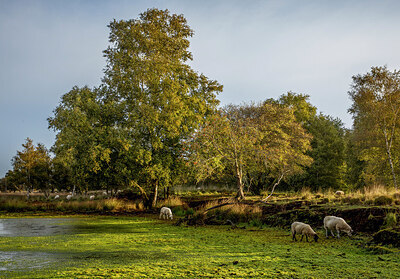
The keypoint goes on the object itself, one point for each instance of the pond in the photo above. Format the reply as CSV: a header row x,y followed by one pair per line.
x,y
11,227
31,227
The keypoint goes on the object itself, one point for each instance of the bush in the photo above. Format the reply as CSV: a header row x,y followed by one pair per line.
x,y
387,236
256,223
179,211
383,200
129,194
390,220
353,201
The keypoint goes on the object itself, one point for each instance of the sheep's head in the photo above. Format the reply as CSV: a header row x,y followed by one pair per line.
x,y
316,237
348,230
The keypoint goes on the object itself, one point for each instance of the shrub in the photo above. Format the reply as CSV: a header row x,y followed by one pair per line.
x,y
256,222
179,211
387,236
190,211
129,194
353,201
390,220
383,200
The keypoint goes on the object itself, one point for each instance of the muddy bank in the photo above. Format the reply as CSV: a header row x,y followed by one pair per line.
x,y
368,219
362,219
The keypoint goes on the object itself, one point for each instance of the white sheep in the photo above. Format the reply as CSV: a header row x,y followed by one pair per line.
x,y
91,198
105,193
165,213
56,197
339,193
69,197
333,222
304,230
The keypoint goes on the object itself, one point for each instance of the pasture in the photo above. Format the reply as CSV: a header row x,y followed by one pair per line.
x,y
145,247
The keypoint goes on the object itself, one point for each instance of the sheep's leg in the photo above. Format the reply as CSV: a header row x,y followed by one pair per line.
x,y
302,237
326,232
307,238
294,236
333,233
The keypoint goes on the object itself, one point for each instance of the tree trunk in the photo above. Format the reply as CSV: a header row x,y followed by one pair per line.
x,y
154,203
240,193
392,169
239,177
273,188
28,191
389,153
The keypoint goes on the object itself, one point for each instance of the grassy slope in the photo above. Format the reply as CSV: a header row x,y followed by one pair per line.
x,y
121,247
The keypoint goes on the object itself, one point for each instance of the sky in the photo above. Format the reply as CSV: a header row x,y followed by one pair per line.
x,y
256,49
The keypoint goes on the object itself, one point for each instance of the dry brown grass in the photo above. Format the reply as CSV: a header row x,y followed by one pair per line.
x,y
172,201
233,208
367,195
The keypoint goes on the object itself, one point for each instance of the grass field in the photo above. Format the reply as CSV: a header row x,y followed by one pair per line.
x,y
143,247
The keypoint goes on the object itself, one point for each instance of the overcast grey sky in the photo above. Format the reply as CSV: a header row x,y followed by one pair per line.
x,y
256,49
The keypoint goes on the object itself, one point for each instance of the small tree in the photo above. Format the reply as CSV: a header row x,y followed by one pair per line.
x,y
376,114
33,166
248,140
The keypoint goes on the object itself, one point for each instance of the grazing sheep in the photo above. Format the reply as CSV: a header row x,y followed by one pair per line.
x,y
304,230
339,193
105,193
332,222
69,197
91,198
56,197
165,213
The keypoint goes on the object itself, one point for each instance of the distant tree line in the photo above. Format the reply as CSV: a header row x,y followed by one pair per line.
x,y
154,122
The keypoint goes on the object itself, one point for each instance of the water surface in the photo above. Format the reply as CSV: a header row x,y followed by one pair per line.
x,y
32,227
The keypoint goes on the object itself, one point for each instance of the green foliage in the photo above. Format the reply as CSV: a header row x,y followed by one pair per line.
x,y
388,236
250,142
303,110
390,220
375,109
32,167
128,131
354,165
328,146
383,200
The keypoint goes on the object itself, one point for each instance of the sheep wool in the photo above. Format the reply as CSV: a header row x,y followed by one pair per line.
x,y
304,230
339,193
166,213
336,223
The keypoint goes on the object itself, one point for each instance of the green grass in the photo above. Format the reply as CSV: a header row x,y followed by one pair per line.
x,y
122,247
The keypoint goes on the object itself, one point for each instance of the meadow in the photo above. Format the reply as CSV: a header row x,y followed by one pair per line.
x,y
145,247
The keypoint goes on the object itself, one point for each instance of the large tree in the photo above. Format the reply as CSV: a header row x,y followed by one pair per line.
x,y
79,146
248,140
328,147
130,129
376,109
163,99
